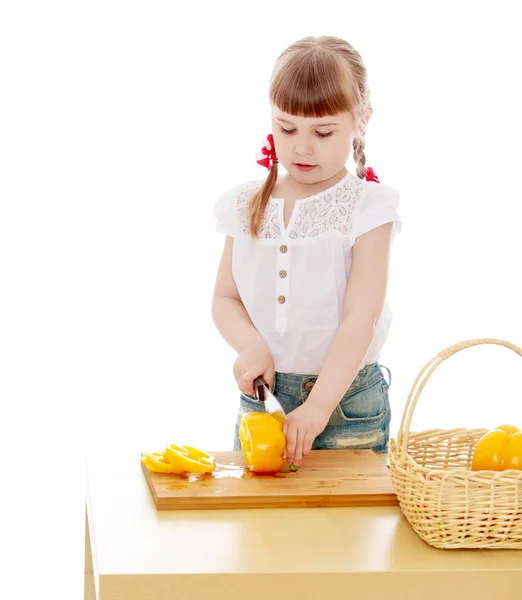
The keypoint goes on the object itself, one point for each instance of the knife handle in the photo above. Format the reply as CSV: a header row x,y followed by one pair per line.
x,y
260,384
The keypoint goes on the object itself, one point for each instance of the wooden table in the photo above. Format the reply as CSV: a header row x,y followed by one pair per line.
x,y
139,553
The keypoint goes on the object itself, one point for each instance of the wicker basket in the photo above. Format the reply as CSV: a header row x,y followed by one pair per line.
x,y
446,503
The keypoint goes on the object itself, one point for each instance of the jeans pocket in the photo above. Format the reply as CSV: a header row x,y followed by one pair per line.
x,y
360,421
365,406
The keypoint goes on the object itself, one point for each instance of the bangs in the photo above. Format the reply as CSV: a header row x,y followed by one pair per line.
x,y
313,85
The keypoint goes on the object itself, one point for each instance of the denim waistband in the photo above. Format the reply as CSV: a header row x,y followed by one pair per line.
x,y
295,384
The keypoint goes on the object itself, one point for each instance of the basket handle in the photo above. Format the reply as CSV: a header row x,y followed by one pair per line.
x,y
404,430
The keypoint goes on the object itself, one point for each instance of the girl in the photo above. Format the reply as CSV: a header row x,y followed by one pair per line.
x,y
301,285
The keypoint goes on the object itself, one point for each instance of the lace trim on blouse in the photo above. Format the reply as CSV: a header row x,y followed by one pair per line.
x,y
325,213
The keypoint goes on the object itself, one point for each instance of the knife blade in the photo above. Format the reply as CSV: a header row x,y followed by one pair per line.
x,y
272,404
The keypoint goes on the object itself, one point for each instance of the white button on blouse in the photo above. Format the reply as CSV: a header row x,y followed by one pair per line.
x,y
292,280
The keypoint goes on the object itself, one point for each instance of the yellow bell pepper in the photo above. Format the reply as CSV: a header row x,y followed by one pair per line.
x,y
499,449
262,442
180,459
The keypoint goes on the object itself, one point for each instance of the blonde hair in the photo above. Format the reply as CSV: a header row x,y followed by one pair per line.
x,y
316,77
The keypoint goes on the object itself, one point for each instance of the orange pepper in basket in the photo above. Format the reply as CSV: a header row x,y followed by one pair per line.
x,y
499,449
263,442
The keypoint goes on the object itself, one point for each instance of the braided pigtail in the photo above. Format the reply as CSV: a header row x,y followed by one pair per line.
x,y
258,202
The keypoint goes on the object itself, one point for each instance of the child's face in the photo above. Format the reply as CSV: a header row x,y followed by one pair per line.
x,y
325,143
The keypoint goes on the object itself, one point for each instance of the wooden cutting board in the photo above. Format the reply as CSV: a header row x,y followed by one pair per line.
x,y
326,478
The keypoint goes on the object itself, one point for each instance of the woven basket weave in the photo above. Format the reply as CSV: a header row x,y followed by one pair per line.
x,y
446,503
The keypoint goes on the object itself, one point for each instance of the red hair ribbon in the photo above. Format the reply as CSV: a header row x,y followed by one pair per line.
x,y
268,156
371,176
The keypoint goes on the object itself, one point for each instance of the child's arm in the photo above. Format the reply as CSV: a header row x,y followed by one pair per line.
x,y
363,304
232,321
228,312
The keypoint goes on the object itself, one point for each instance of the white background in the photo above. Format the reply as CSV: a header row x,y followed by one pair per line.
x,y
121,123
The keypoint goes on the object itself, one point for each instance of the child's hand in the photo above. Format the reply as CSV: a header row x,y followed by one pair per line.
x,y
254,360
301,428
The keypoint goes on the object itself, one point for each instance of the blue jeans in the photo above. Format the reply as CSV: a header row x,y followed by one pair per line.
x,y
361,420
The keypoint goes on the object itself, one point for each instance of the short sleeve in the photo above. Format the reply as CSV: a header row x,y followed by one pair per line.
x,y
378,205
225,212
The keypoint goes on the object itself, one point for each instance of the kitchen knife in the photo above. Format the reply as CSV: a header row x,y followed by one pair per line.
x,y
272,404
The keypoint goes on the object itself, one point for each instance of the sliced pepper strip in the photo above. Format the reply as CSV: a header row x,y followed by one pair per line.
x,y
196,453
159,465
179,459
181,449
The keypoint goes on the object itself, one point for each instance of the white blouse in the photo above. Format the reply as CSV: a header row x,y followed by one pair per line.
x,y
292,281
